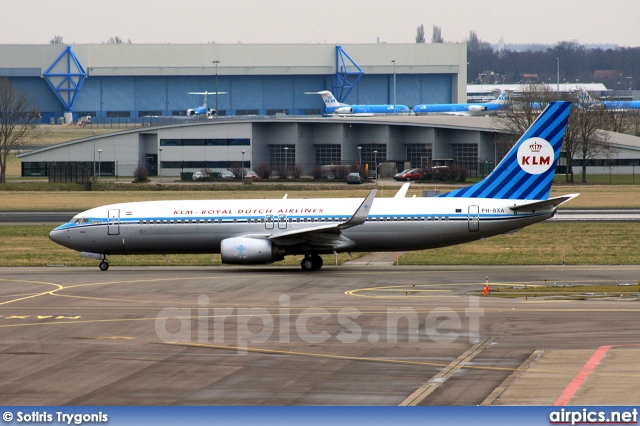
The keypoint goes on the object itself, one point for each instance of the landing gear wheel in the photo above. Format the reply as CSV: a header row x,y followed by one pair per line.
x,y
103,266
311,262
317,262
307,264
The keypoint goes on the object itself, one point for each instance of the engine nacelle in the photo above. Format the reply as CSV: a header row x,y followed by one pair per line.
x,y
249,251
191,112
477,108
343,110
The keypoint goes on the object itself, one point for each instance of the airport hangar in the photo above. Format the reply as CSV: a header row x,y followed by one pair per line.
x,y
265,112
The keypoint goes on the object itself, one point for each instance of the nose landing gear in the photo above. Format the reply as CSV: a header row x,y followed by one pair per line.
x,y
104,265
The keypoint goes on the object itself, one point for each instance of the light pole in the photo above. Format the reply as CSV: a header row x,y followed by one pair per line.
x,y
93,171
160,162
360,156
242,168
375,156
394,86
99,154
558,78
286,160
216,62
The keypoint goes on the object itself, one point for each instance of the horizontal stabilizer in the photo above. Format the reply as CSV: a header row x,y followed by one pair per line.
x,y
538,205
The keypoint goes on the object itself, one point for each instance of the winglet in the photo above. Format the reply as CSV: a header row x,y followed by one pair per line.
x,y
360,216
402,192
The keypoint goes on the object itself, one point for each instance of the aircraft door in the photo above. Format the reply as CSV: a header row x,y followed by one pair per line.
x,y
282,221
268,221
113,226
474,218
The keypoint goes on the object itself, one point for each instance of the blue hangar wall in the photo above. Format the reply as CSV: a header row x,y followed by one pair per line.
x,y
105,97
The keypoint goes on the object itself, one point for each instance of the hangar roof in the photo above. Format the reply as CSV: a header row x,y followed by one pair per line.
x,y
238,59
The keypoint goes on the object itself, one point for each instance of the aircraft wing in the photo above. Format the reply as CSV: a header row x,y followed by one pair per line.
x,y
328,234
536,205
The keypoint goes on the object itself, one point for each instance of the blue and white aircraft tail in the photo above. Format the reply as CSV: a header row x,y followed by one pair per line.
x,y
526,172
203,109
333,107
485,108
262,231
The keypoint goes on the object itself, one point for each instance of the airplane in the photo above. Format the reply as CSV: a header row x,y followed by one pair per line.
x,y
333,107
484,108
203,109
263,231
585,98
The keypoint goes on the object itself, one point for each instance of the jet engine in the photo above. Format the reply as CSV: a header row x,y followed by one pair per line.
x,y
343,110
191,112
477,108
248,251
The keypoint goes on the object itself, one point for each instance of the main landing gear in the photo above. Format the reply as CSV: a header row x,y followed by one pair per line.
x,y
104,265
311,262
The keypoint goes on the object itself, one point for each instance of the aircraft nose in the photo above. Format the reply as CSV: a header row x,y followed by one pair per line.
x,y
57,235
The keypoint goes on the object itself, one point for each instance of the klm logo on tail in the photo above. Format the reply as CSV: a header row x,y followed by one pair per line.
x,y
535,156
526,172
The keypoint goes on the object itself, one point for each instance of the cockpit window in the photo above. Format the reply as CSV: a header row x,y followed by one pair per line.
x,y
85,220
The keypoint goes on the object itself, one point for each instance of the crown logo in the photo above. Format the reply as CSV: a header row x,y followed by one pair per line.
x,y
535,147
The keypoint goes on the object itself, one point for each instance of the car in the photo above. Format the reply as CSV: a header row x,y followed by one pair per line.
x,y
199,175
411,174
226,174
251,174
398,174
354,178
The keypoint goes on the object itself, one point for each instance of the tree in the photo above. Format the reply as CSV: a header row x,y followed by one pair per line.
x,y
56,40
118,40
420,34
585,131
17,121
436,36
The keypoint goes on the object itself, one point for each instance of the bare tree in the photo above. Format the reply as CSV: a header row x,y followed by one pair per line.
x,y
420,34
56,40
17,121
118,40
586,131
436,36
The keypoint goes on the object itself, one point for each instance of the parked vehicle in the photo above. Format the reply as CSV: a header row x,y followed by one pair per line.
x,y
354,178
226,174
199,175
251,174
411,174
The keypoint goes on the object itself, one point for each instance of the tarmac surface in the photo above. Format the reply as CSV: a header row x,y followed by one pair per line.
x,y
364,334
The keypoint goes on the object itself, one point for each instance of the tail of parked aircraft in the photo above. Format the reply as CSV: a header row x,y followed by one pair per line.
x,y
328,98
502,98
583,96
526,172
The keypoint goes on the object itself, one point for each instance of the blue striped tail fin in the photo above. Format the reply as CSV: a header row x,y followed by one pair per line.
x,y
526,172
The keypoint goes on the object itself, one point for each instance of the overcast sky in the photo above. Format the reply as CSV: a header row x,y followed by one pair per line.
x,y
318,21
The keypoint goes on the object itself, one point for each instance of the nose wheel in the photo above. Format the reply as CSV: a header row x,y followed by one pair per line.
x,y
311,262
104,265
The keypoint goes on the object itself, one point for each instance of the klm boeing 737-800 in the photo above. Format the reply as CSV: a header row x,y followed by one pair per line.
x,y
514,195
